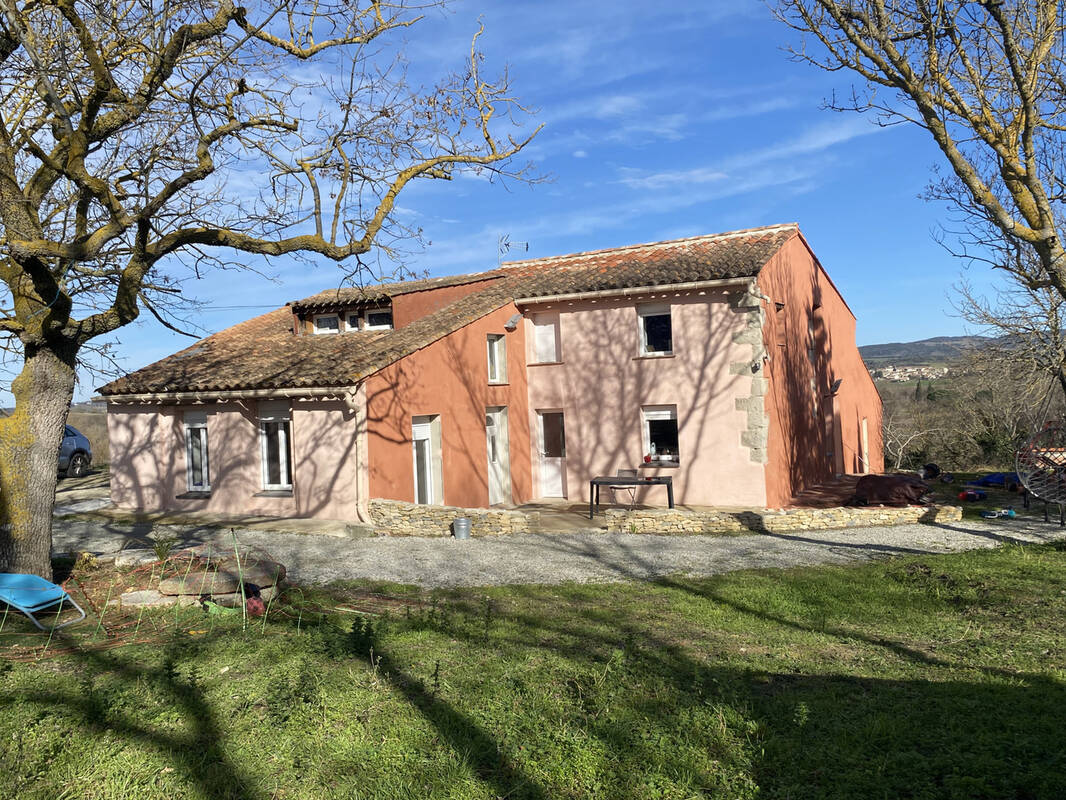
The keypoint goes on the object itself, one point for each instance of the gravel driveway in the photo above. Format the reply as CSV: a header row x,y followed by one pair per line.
x,y
562,557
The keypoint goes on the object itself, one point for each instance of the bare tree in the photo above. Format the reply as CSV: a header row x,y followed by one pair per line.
x,y
1024,324
986,79
904,432
144,142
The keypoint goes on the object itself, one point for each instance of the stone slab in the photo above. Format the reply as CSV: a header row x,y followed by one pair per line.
x,y
146,598
224,578
234,600
134,558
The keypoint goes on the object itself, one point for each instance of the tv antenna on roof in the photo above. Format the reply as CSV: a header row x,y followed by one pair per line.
x,y
505,246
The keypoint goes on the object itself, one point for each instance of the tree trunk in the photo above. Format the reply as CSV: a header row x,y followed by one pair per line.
x,y
29,458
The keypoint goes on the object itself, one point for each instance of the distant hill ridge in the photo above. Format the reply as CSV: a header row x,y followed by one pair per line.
x,y
925,352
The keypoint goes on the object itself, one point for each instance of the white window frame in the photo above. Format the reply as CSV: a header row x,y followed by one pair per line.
x,y
276,412
542,323
651,413
356,318
496,346
325,331
197,420
427,428
656,310
368,326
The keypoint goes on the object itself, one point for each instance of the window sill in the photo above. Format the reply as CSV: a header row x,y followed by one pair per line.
x,y
652,356
274,493
197,495
662,465
499,383
544,363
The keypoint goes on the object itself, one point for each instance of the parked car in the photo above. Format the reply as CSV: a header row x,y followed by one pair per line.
x,y
75,454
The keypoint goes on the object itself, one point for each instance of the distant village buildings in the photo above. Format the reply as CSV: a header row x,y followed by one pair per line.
x,y
903,374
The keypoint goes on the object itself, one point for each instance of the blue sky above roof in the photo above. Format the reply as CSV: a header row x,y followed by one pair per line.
x,y
661,121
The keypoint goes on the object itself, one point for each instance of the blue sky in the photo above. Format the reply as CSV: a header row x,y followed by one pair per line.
x,y
661,121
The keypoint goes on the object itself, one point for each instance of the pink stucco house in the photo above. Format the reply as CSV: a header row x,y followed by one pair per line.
x,y
727,362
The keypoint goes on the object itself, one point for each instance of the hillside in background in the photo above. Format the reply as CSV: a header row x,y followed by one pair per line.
x,y
939,350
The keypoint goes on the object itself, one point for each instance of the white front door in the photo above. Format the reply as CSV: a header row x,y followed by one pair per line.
x,y
422,444
498,455
552,454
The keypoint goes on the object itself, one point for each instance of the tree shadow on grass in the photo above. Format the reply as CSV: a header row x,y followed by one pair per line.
x,y
961,730
197,750
665,709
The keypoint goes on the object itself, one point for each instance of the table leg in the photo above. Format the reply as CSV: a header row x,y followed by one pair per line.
x,y
591,490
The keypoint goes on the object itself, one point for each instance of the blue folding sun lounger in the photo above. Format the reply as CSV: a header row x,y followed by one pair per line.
x,y
32,594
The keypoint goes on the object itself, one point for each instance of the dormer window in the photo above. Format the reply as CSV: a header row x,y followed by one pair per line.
x,y
326,323
378,320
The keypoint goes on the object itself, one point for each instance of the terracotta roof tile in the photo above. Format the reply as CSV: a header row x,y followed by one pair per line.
x,y
352,295
263,353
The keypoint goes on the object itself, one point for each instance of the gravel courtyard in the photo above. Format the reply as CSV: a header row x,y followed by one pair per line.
x,y
562,557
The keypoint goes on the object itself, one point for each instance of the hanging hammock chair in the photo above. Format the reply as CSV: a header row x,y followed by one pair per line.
x,y
1041,463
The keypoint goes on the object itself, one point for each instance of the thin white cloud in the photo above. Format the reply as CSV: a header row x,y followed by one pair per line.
x,y
816,139
667,127
667,179
755,108
477,250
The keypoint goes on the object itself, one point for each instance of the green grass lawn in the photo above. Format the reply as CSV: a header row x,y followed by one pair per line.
x,y
931,677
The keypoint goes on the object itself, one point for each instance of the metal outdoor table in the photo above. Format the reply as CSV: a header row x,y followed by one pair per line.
x,y
625,480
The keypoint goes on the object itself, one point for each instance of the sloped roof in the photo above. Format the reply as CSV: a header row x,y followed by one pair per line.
x,y
263,352
352,295
737,254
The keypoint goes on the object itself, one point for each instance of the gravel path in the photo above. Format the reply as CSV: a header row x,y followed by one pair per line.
x,y
563,557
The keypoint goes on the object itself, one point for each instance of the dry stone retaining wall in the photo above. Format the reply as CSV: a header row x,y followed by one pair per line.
x,y
396,518
798,519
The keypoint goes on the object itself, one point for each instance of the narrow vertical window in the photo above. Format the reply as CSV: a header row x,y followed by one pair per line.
x,y
546,338
275,437
425,446
497,358
197,470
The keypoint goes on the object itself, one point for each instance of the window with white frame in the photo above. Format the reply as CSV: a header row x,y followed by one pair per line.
x,y
378,319
326,323
656,330
197,472
545,338
497,347
428,466
659,425
275,445
353,322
